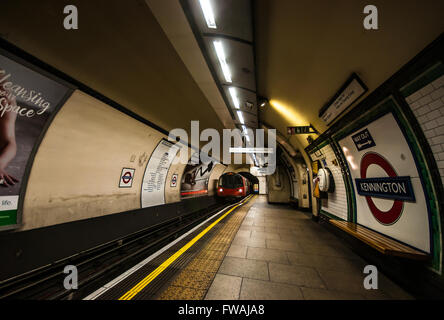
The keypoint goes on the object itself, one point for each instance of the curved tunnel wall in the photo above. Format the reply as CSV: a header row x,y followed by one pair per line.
x,y
76,170
395,132
278,185
73,201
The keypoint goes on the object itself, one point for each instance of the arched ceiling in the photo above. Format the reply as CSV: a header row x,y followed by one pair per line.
x,y
119,50
306,50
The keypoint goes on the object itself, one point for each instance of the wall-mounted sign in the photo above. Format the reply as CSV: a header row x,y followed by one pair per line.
x,y
351,91
391,187
126,178
300,130
174,180
28,102
363,140
390,197
153,184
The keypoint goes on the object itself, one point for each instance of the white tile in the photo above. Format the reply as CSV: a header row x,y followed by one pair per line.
x,y
422,111
415,96
431,124
429,133
425,100
427,89
433,115
439,130
436,104
438,82
438,140
437,93
437,148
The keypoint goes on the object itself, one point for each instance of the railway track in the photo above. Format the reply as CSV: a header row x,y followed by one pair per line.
x,y
98,265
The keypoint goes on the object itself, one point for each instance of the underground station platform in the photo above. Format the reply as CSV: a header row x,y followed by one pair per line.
x,y
251,251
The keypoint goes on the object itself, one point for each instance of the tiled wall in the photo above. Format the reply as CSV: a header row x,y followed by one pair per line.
x,y
428,107
336,204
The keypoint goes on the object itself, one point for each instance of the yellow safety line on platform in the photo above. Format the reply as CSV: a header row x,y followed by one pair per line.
x,y
142,284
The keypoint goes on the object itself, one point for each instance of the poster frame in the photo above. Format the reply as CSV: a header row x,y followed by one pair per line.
x,y
29,163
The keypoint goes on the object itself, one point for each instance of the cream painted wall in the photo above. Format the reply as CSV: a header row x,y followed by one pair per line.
x,y
303,188
237,168
76,170
278,194
172,194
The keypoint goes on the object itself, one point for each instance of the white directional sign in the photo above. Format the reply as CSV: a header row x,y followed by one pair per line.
x,y
390,198
153,184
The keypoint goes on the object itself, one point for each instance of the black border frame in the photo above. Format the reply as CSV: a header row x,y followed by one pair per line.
x,y
354,76
132,179
30,162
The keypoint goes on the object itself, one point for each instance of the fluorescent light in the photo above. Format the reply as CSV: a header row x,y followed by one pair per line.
x,y
241,118
244,129
208,13
234,97
222,60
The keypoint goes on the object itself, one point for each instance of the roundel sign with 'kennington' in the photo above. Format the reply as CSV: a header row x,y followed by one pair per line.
x,y
392,186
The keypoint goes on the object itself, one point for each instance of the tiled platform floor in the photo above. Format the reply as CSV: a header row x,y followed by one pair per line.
x,y
279,253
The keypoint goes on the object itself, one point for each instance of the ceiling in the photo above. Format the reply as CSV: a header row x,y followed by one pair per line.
x,y
233,30
148,59
119,50
306,50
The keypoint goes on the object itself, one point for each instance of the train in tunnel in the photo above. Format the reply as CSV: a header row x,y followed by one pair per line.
x,y
109,159
232,185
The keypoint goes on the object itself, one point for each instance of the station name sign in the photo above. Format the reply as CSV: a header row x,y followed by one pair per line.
x,y
396,188
351,91
300,130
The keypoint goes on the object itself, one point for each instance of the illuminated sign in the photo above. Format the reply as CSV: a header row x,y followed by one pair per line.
x,y
351,91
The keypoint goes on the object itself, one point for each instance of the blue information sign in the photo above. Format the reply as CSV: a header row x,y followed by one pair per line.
x,y
363,140
397,188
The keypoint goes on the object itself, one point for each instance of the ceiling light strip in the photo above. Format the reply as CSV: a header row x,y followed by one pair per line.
x,y
208,13
234,97
222,60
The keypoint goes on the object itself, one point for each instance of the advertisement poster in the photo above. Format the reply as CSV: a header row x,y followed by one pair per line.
x,y
389,195
195,179
27,102
153,184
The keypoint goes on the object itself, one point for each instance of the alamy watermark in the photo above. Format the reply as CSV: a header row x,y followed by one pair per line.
x,y
71,281
371,281
232,142
71,21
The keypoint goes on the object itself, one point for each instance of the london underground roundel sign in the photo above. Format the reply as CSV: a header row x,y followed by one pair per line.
x,y
399,189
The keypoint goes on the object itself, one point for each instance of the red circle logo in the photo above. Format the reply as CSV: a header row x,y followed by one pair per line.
x,y
384,217
126,178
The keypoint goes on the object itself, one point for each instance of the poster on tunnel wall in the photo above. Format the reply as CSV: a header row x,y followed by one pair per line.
x,y
28,101
195,179
153,183
389,195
